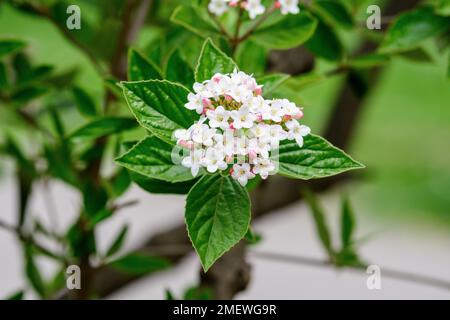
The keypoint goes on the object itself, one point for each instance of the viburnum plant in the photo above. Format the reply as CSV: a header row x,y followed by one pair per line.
x,y
214,123
226,134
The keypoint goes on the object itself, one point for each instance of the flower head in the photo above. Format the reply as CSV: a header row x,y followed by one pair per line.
x,y
238,129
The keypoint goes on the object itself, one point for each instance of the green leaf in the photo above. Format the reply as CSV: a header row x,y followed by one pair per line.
x,y
251,63
448,66
169,295
412,28
16,296
139,263
212,60
25,95
98,217
102,127
141,68
417,55
159,186
159,106
272,81
322,228
347,224
316,159
118,242
22,68
152,158
217,216
287,33
189,18
9,46
178,70
325,43
4,82
442,7
120,183
252,237
198,293
84,103
33,273
333,13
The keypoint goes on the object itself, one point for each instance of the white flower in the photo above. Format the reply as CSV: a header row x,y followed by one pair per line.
x,y
218,7
203,91
276,134
297,131
239,93
259,146
242,173
273,112
195,103
204,135
260,130
242,118
255,104
240,147
289,108
193,161
254,8
214,160
289,6
218,118
228,143
221,84
264,167
182,135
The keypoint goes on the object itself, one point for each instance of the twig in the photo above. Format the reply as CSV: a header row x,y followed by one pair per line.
x,y
390,273
257,24
220,26
117,207
30,240
235,40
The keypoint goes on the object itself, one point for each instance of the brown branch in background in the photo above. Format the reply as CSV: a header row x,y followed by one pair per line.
x,y
230,276
385,272
133,18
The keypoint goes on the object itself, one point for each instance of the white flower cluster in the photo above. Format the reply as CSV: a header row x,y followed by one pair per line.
x,y
237,128
253,7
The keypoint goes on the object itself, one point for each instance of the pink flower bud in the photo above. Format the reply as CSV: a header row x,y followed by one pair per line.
x,y
232,126
258,91
228,98
287,117
259,117
277,4
298,115
190,145
217,79
231,171
182,143
229,159
206,102
233,3
252,154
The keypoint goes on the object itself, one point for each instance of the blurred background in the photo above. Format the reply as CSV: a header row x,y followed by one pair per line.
x,y
401,201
